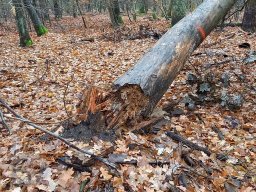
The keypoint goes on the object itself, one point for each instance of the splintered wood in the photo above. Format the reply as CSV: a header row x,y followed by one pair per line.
x,y
121,108
89,103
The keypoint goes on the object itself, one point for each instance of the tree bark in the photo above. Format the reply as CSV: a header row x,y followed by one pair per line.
x,y
37,23
249,19
25,39
149,79
80,12
43,4
57,9
114,12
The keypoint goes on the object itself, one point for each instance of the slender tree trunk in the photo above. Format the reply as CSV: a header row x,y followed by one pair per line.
x,y
74,8
114,12
144,85
57,9
43,4
80,12
25,39
37,23
249,19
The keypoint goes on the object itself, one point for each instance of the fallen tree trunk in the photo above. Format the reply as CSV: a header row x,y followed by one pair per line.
x,y
136,93
143,86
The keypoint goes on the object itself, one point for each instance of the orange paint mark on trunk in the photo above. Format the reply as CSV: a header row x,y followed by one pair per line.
x,y
201,32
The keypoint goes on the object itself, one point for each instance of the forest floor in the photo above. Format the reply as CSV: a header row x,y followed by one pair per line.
x,y
43,83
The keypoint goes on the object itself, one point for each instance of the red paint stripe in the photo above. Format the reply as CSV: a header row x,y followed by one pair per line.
x,y
201,32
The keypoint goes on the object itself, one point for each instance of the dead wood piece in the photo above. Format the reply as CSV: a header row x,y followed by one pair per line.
x,y
146,124
153,163
189,160
218,131
3,122
89,103
194,146
190,144
88,39
78,166
183,180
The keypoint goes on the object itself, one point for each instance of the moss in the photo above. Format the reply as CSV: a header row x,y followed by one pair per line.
x,y
120,20
41,30
28,42
154,16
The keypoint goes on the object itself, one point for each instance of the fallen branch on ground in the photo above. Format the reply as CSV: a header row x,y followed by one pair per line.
x,y
194,146
4,122
19,117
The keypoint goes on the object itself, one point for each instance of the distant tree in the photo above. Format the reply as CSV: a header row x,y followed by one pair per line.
x,y
57,9
37,23
143,6
81,13
74,8
114,12
25,39
178,10
44,8
249,19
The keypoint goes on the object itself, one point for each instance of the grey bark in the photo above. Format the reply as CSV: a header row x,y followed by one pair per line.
x,y
37,23
114,13
249,19
157,69
57,9
25,39
43,4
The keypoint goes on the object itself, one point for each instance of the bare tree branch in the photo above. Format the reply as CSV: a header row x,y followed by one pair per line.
x,y
19,117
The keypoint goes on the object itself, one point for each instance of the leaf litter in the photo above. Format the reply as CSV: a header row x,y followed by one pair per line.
x,y
44,84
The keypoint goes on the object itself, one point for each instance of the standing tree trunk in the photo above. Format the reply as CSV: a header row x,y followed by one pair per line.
x,y
178,10
57,9
25,39
43,4
114,12
80,12
37,23
249,19
74,8
143,86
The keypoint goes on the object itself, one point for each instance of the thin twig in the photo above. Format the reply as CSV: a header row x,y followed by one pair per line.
x,y
4,122
103,160
42,123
